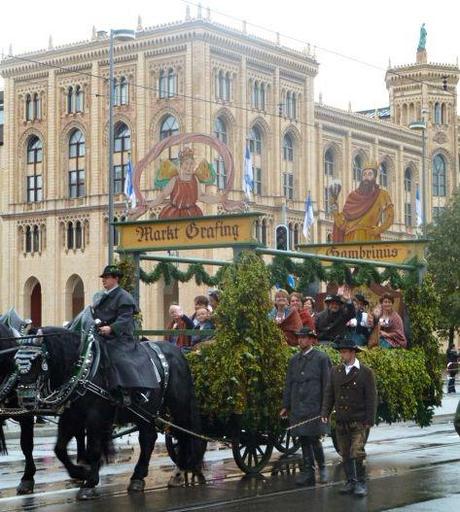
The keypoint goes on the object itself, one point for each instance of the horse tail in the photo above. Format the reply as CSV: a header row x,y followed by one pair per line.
x,y
3,449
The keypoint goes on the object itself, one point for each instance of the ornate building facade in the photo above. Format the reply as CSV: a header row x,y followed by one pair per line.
x,y
193,76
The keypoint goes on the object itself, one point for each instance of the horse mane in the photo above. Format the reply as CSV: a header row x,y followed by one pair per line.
x,y
6,360
63,347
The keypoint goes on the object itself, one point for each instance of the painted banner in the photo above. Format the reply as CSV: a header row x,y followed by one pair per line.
x,y
395,251
188,233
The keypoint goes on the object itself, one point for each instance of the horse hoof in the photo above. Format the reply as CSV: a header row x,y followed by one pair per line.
x,y
136,485
177,480
25,487
79,473
199,478
87,493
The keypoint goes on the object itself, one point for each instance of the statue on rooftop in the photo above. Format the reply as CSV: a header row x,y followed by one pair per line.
x,y
422,39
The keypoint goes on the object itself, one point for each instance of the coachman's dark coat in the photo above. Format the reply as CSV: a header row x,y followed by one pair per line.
x,y
354,395
306,382
330,324
129,363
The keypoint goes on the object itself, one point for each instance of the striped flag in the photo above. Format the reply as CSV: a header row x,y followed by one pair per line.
x,y
248,174
418,208
129,187
309,217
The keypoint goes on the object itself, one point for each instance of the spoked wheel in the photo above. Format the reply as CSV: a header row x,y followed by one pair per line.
x,y
286,443
252,451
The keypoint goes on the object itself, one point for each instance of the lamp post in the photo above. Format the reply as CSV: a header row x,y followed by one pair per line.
x,y
115,35
421,125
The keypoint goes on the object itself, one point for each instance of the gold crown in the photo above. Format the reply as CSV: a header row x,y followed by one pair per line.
x,y
186,153
371,164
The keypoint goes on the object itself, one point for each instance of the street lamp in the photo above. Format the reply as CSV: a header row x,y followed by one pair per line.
x,y
115,35
421,125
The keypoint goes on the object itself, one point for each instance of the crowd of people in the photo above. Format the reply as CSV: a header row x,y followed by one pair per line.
x,y
200,320
342,314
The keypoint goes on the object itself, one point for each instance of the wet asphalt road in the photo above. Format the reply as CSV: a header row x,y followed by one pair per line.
x,y
417,469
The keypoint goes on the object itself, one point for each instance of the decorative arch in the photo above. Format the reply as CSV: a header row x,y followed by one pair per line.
x,y
119,118
263,126
69,128
386,163
157,119
33,300
74,296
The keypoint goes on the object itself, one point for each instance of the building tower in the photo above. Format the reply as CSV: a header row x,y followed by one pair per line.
x,y
426,92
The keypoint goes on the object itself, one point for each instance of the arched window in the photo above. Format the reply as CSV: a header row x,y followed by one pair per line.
x,y
169,126
123,91
329,162
288,104
262,97
76,164
78,235
296,235
122,146
383,174
288,148
264,232
357,168
223,86
439,176
255,95
116,92
28,239
444,114
122,138
221,90
29,108
172,83
255,147
408,180
163,84
70,235
34,150
79,105
227,87
220,131
35,239
293,106
70,98
255,141
437,113
37,107
76,144
34,169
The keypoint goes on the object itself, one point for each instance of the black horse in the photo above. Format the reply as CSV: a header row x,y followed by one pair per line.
x,y
26,421
96,414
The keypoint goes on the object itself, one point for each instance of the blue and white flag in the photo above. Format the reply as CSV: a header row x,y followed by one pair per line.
x,y
248,175
309,218
291,280
418,208
129,187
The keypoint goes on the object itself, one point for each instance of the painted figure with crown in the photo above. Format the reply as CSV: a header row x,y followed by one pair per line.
x,y
367,213
181,187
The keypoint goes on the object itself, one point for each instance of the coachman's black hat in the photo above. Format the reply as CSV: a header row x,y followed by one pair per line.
x,y
334,298
345,342
305,332
111,270
360,298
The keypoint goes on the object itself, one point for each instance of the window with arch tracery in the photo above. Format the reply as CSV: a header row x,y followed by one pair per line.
x,y
34,179
288,148
220,131
75,99
255,148
167,83
76,164
437,113
439,177
290,108
383,175
31,238
122,148
33,107
223,85
357,168
329,162
120,91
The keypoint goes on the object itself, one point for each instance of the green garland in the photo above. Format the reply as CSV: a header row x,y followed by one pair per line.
x,y
282,267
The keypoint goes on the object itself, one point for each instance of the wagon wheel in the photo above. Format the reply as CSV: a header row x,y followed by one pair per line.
x,y
334,438
286,443
252,451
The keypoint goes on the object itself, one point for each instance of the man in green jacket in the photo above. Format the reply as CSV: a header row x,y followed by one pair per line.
x,y
353,394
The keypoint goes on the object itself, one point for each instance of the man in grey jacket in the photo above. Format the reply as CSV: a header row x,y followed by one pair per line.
x,y
306,381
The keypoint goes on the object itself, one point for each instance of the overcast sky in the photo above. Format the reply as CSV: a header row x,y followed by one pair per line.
x,y
366,30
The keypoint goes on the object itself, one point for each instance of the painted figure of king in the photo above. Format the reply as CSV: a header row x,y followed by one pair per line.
x,y
367,213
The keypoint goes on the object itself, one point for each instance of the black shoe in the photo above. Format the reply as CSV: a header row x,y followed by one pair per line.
x,y
350,471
